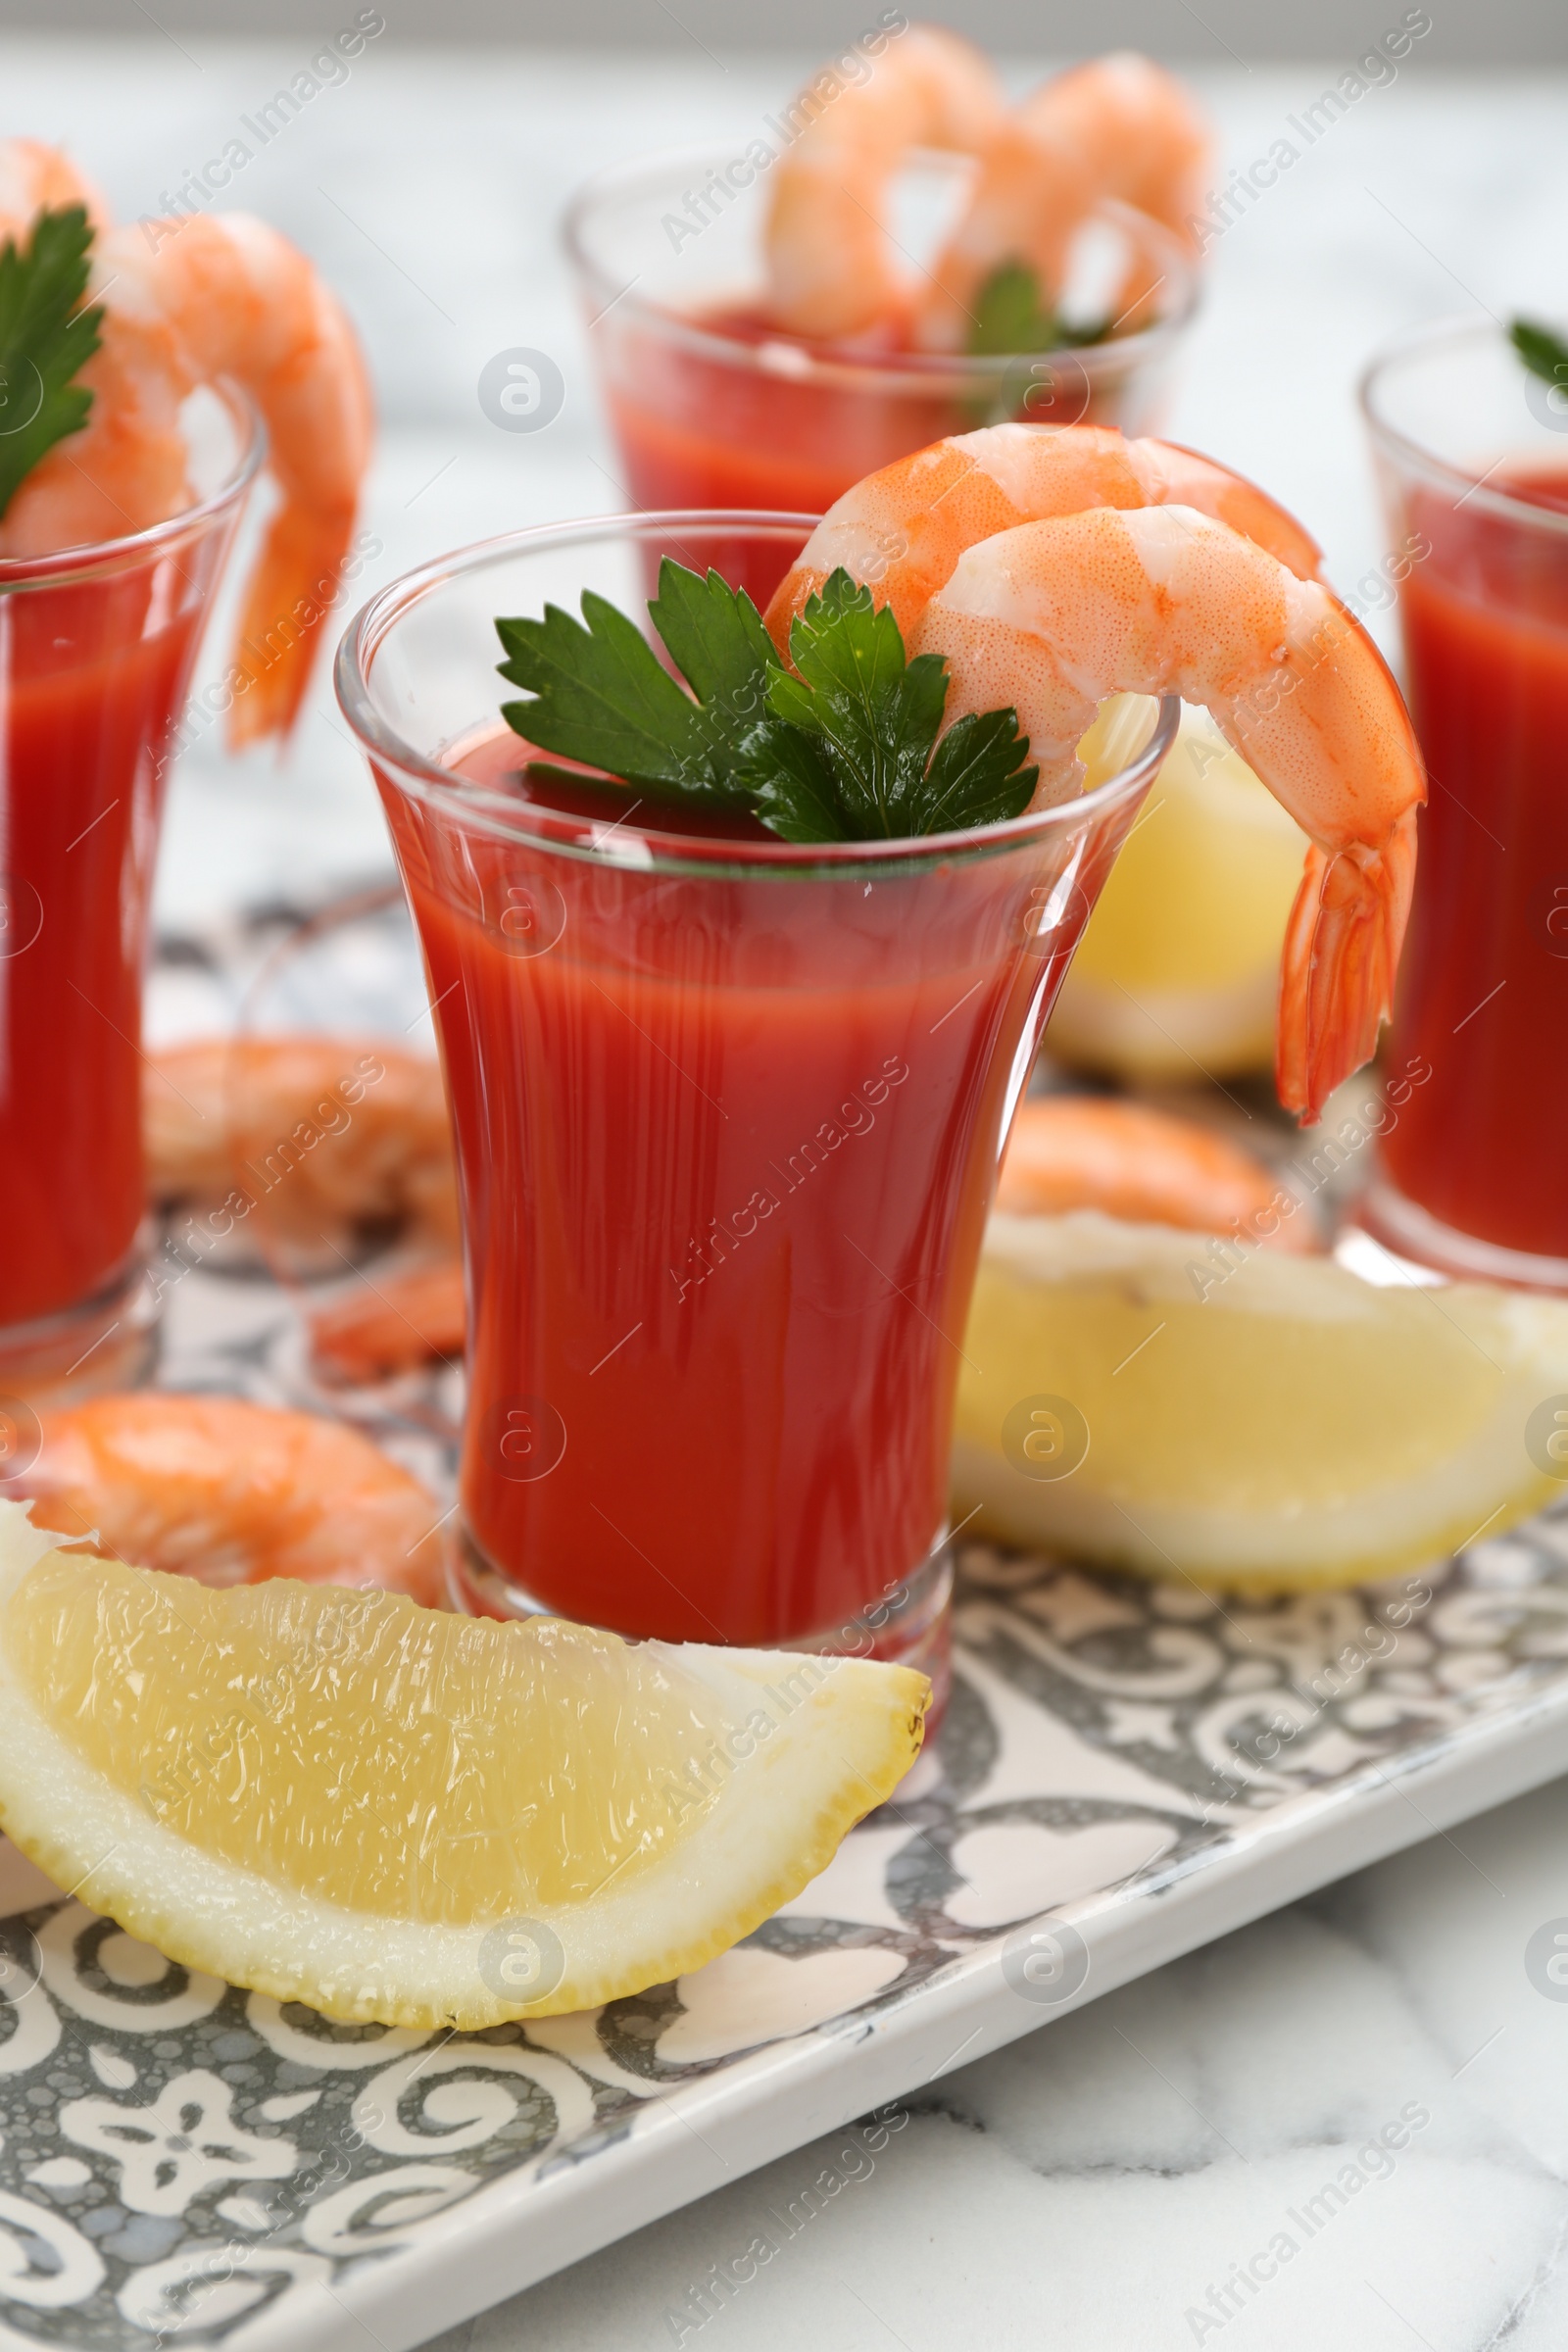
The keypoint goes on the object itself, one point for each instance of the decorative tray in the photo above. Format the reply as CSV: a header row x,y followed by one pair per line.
x,y
1126,1770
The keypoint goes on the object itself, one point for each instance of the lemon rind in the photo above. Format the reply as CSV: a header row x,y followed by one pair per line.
x,y
1361,1537
1306,1552
839,1746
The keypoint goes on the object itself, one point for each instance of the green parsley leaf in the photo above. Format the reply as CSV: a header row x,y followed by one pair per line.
x,y
1010,320
603,696
875,714
716,640
45,339
793,787
1542,353
842,747
1010,315
974,777
875,718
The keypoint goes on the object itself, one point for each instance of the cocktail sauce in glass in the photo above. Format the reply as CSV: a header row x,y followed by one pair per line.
x,y
711,406
96,649
728,1116
1473,460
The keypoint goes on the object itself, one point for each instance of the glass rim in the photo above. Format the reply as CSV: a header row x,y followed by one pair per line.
x,y
60,566
914,372
1414,457
645,849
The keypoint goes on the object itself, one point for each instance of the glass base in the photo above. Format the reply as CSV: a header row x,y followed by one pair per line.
x,y
910,1626
1403,1226
109,1341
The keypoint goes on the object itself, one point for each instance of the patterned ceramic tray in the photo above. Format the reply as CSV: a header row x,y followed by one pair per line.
x,y
1126,1771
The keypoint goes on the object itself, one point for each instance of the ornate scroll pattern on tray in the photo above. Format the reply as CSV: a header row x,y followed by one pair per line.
x,y
181,2159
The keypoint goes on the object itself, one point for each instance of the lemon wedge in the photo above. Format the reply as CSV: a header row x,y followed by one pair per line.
x,y
1179,963
1154,1399
392,1813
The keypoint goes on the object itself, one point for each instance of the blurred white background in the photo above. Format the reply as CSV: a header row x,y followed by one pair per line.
x,y
1470,32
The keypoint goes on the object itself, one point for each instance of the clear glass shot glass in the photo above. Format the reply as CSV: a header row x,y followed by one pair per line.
x,y
728,1116
712,408
96,650
1472,461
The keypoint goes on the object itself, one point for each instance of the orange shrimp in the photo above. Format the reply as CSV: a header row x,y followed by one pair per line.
x,y
328,1132
1130,1160
185,303
904,528
1118,126
36,178
411,1316
233,1493
127,468
1137,547
1050,618
832,266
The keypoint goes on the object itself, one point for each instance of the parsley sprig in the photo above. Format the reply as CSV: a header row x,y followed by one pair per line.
x,y
1542,353
45,338
844,743
1010,320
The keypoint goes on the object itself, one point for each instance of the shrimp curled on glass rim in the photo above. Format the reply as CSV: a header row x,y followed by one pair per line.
x,y
1118,128
231,1493
904,528
833,270
1127,593
185,303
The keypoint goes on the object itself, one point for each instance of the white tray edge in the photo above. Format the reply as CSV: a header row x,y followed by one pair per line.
x,y
523,2228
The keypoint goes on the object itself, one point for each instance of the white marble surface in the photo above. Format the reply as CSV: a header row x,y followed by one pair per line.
x,y
1090,2185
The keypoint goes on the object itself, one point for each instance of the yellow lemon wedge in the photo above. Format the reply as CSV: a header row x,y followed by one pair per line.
x,y
1179,963
392,1813
1164,1402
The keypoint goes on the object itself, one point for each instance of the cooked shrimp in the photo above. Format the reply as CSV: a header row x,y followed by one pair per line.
x,y
1118,126
187,301
1096,1152
904,528
321,1130
832,267
233,1493
38,178
407,1317
126,468
1052,617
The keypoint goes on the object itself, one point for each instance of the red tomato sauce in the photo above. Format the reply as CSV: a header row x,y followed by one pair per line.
x,y
697,430
1482,997
726,1145
92,684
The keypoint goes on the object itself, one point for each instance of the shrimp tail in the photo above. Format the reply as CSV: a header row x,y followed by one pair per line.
x,y
288,596
1342,951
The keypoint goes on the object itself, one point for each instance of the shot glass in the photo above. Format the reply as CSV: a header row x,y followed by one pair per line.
x,y
1472,461
728,1113
96,650
712,408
